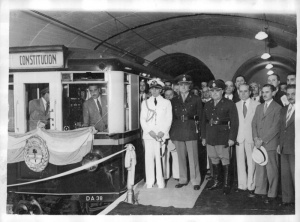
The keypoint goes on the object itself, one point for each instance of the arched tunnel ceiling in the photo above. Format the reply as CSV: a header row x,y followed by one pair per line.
x,y
137,34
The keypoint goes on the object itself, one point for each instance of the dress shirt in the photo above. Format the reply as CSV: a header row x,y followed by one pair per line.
x,y
99,102
229,96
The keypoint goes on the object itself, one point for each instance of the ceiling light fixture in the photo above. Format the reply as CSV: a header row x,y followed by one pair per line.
x,y
265,55
270,72
261,35
269,66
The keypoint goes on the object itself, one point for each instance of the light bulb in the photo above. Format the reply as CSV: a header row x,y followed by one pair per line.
x,y
265,55
269,66
261,35
270,72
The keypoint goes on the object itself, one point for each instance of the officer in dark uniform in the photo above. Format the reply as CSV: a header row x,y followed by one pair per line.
x,y
187,109
219,128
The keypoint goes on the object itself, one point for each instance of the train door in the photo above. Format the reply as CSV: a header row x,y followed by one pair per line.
x,y
27,90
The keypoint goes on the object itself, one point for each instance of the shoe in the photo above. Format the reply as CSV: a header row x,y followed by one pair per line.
x,y
216,178
226,187
269,200
179,185
238,190
251,193
196,187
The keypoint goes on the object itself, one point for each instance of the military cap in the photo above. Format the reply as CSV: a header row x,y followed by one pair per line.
x,y
46,90
156,83
216,84
183,78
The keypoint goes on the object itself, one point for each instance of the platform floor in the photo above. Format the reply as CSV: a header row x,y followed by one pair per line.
x,y
211,203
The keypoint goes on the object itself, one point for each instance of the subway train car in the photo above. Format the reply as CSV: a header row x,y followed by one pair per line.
x,y
67,73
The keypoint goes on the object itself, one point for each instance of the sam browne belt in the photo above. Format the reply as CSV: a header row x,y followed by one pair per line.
x,y
217,122
185,117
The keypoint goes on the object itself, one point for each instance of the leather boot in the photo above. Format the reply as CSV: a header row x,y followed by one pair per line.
x,y
216,177
226,187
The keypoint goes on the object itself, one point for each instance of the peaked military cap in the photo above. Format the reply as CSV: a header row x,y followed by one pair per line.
x,y
216,84
183,78
156,83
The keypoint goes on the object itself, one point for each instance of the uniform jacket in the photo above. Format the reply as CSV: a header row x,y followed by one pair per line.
x,y
266,126
225,110
287,132
192,106
91,113
36,113
161,121
245,123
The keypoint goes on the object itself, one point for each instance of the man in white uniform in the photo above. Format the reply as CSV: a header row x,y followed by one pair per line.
x,y
156,120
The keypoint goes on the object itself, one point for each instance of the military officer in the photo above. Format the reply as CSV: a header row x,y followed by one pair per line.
x,y
184,132
219,128
156,120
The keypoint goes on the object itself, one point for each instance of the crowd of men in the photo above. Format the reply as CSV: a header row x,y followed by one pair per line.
x,y
245,127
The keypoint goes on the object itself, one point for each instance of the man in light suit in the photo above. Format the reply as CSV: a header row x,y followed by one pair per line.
x,y
39,110
287,148
246,108
156,120
265,129
95,109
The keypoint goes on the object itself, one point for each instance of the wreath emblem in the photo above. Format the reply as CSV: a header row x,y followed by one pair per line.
x,y
36,154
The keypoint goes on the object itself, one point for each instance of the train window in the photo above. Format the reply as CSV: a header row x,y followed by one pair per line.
x,y
11,117
76,114
37,105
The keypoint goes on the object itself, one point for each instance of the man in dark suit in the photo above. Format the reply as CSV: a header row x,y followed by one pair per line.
x,y
279,96
187,108
39,110
287,148
237,82
229,92
95,109
219,128
265,130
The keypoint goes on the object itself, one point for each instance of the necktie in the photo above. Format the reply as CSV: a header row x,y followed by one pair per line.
x,y
99,106
265,108
47,108
289,113
244,109
155,101
254,98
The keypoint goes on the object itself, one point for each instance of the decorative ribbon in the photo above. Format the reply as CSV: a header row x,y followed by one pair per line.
x,y
70,171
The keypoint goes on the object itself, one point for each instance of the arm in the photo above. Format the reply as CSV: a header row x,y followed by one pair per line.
x,y
254,124
168,121
234,122
86,115
203,124
143,117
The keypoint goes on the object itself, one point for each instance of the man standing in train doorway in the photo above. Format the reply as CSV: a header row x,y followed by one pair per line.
x,y
39,110
187,109
95,109
156,120
219,130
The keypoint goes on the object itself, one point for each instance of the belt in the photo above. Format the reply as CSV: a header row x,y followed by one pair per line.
x,y
217,122
184,118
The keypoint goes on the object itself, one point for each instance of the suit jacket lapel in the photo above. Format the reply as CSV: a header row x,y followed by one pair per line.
x,y
291,120
270,108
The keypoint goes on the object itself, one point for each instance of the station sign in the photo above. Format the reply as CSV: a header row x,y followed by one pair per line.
x,y
36,60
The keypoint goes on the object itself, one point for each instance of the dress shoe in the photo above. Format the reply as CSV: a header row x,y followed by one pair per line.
x,y
238,190
269,200
196,187
251,193
179,185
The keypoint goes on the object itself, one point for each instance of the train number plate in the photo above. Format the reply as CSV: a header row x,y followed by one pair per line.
x,y
93,198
